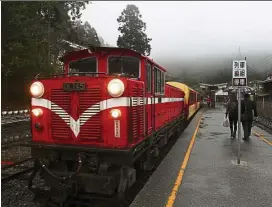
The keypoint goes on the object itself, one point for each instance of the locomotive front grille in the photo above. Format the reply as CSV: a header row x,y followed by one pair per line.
x,y
60,107
89,102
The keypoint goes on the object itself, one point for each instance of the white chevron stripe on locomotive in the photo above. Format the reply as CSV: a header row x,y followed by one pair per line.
x,y
88,113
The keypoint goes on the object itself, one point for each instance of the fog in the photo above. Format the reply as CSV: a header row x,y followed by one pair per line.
x,y
196,36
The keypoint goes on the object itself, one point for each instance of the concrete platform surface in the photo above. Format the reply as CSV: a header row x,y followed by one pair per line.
x,y
212,176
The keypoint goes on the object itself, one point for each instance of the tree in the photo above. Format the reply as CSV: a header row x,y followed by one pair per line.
x,y
91,36
32,34
32,39
132,30
83,34
103,43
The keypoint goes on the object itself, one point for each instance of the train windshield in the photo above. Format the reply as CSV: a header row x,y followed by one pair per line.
x,y
86,66
125,66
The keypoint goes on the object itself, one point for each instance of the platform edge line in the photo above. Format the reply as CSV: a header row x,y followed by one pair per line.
x,y
172,197
262,138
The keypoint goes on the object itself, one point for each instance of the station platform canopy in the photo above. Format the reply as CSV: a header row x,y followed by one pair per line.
x,y
221,93
214,87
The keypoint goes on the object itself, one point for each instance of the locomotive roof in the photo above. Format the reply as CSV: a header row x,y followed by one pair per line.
x,y
107,49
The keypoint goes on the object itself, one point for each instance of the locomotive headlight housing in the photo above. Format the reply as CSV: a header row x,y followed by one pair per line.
x,y
37,89
37,112
115,113
38,126
116,87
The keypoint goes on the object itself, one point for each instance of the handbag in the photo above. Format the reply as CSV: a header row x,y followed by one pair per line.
x,y
226,122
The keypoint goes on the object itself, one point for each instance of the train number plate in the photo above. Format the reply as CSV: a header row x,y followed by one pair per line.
x,y
77,86
117,128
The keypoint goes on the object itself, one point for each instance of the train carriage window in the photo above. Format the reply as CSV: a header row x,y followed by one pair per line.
x,y
85,66
149,76
127,66
192,98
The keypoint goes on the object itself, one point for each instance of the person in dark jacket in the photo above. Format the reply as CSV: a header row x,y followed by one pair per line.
x,y
232,112
247,106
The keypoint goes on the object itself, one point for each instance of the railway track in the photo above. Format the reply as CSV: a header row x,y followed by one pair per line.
x,y
15,141
14,134
15,116
15,170
265,124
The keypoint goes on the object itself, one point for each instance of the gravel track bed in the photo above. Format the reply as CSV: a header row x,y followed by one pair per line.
x,y
15,154
15,193
10,126
15,129
263,126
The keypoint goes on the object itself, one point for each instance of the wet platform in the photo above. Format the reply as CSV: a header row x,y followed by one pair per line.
x,y
209,175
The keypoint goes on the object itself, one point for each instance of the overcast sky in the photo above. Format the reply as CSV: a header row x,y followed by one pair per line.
x,y
193,30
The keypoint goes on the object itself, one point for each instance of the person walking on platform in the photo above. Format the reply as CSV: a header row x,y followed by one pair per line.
x,y
209,101
247,106
232,112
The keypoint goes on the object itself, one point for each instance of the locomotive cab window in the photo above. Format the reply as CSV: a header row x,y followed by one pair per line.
x,y
159,81
149,76
162,82
86,66
125,66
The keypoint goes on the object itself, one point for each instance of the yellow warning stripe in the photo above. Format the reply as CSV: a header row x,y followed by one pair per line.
x,y
174,191
262,138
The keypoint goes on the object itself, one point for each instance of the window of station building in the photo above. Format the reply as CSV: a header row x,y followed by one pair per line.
x,y
127,66
149,76
86,66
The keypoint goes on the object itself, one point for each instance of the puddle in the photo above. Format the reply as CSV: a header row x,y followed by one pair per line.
x,y
242,163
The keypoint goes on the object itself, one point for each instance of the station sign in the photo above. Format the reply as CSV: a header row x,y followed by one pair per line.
x,y
239,73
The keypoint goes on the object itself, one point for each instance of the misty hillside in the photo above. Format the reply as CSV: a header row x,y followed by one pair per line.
x,y
216,69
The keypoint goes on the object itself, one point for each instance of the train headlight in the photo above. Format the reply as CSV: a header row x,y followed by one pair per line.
x,y
37,89
115,113
116,88
37,112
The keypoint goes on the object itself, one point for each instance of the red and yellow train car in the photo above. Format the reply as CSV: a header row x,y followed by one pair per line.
x,y
191,98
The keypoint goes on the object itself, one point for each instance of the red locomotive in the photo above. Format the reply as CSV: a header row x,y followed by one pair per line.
x,y
107,115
